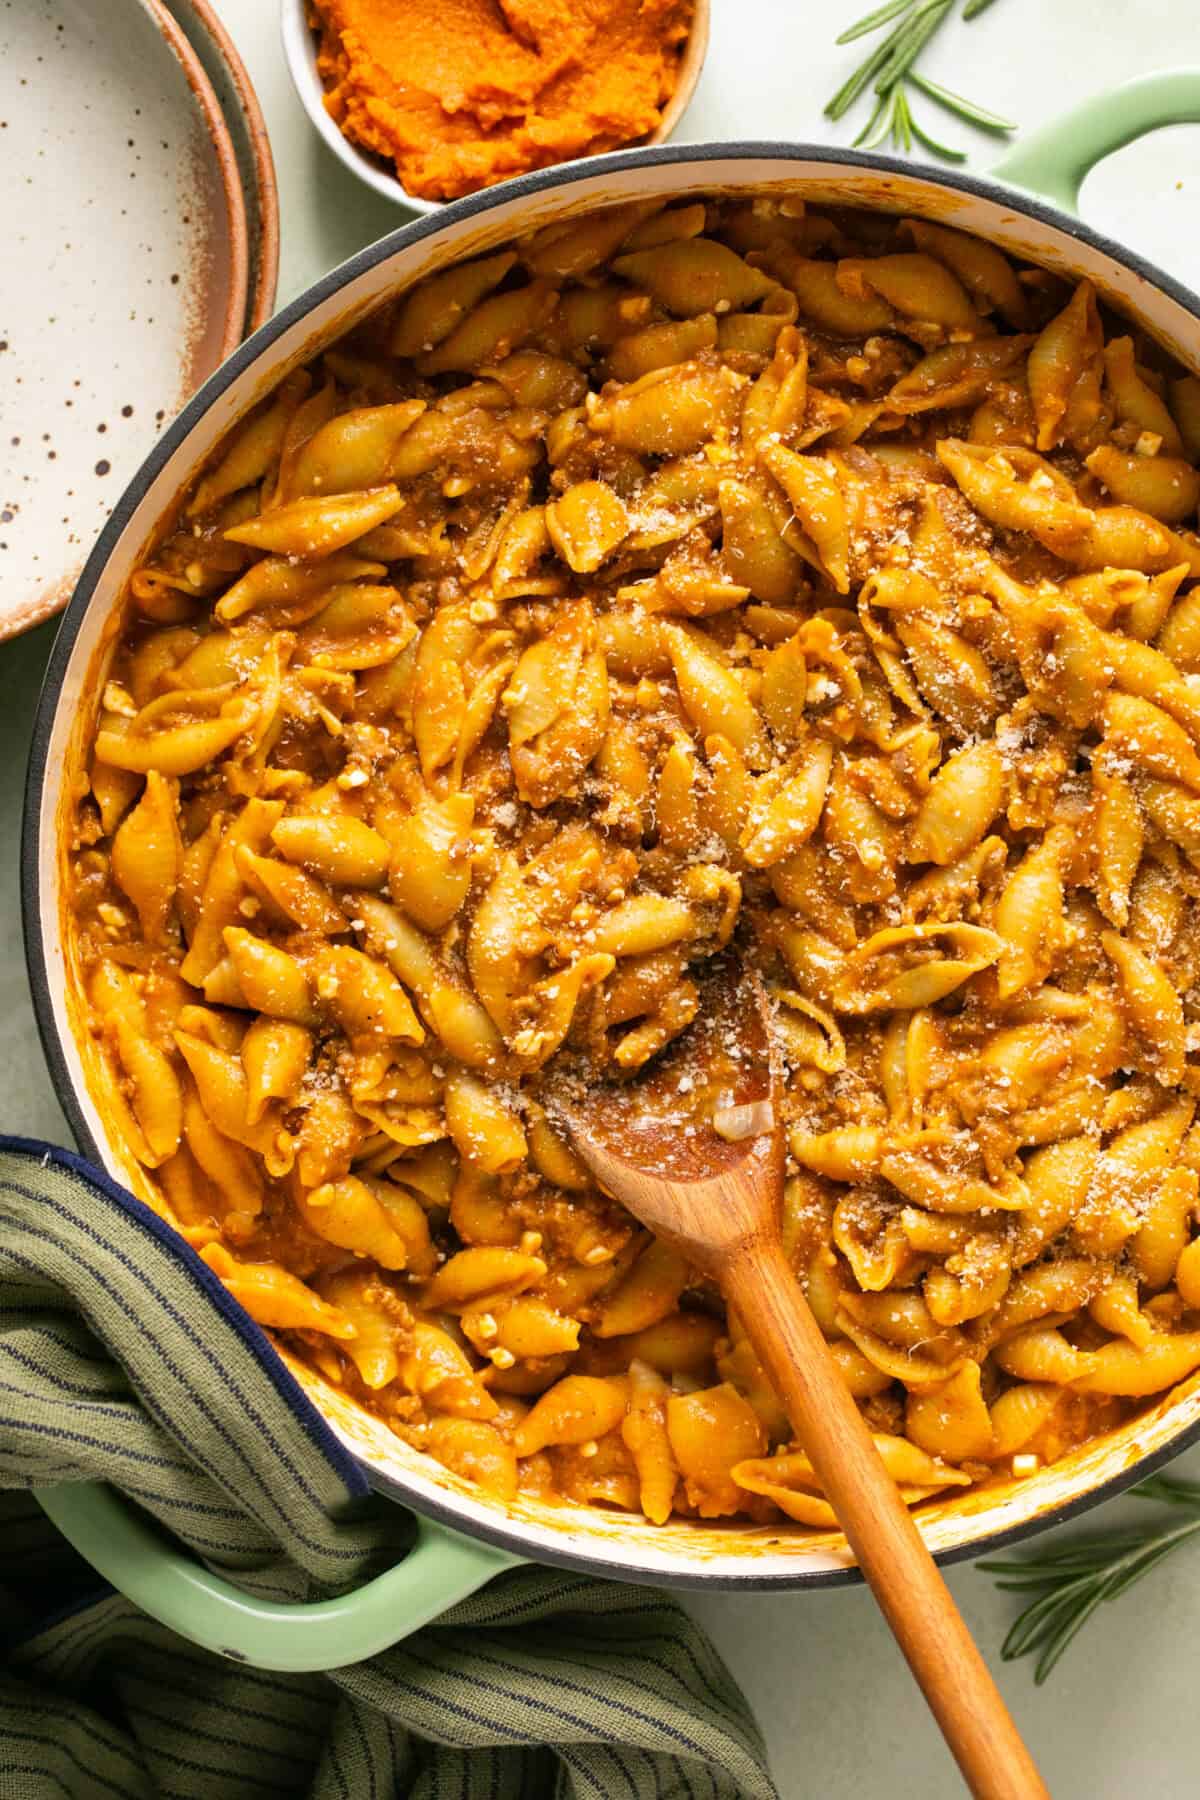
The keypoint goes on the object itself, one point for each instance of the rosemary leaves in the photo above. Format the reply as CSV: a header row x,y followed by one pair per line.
x,y
1067,1582
890,71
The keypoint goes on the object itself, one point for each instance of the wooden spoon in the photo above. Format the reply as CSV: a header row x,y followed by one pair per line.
x,y
714,1191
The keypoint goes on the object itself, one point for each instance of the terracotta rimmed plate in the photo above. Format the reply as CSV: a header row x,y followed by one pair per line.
x,y
252,147
125,275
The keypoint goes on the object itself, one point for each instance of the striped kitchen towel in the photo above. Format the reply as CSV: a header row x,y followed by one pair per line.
x,y
122,1359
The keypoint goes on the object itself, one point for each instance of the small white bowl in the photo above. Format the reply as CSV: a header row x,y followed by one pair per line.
x,y
300,53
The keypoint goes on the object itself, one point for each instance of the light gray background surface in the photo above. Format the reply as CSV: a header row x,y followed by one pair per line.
x,y
1121,1717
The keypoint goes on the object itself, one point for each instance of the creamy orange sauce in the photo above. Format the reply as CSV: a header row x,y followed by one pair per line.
x,y
459,94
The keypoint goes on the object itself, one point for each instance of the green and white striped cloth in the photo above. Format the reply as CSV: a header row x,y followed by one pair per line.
x,y
122,1359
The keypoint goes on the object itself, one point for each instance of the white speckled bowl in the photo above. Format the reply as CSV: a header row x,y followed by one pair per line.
x,y
125,277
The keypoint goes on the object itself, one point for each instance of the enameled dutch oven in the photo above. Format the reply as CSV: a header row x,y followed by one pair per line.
x,y
462,1539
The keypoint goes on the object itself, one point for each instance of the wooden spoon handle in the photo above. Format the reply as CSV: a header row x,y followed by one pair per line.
x,y
914,1599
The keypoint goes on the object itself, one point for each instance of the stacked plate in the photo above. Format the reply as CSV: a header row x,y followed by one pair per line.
x,y
141,245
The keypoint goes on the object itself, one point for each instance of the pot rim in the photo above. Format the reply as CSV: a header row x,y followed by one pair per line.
x,y
549,1550
493,1530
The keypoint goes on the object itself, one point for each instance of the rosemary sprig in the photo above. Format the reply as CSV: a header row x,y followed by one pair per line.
x,y
966,109
891,67
1068,1583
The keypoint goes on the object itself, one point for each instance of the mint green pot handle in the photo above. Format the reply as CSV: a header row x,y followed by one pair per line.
x,y
170,1585
1053,162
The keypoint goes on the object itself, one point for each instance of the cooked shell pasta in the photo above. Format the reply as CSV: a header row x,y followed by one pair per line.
x,y
716,577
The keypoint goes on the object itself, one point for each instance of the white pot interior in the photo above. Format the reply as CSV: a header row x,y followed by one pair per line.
x,y
681,1550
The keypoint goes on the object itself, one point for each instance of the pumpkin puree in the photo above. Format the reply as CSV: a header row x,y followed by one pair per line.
x,y
463,93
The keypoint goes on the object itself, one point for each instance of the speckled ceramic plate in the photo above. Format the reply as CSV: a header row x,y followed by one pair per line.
x,y
248,130
125,274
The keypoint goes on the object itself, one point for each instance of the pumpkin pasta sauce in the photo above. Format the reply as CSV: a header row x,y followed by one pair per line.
x,y
459,94
818,584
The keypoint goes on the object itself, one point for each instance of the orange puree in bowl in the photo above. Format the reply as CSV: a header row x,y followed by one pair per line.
x,y
462,93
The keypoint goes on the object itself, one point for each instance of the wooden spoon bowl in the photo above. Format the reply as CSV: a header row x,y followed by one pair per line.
x,y
695,1151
